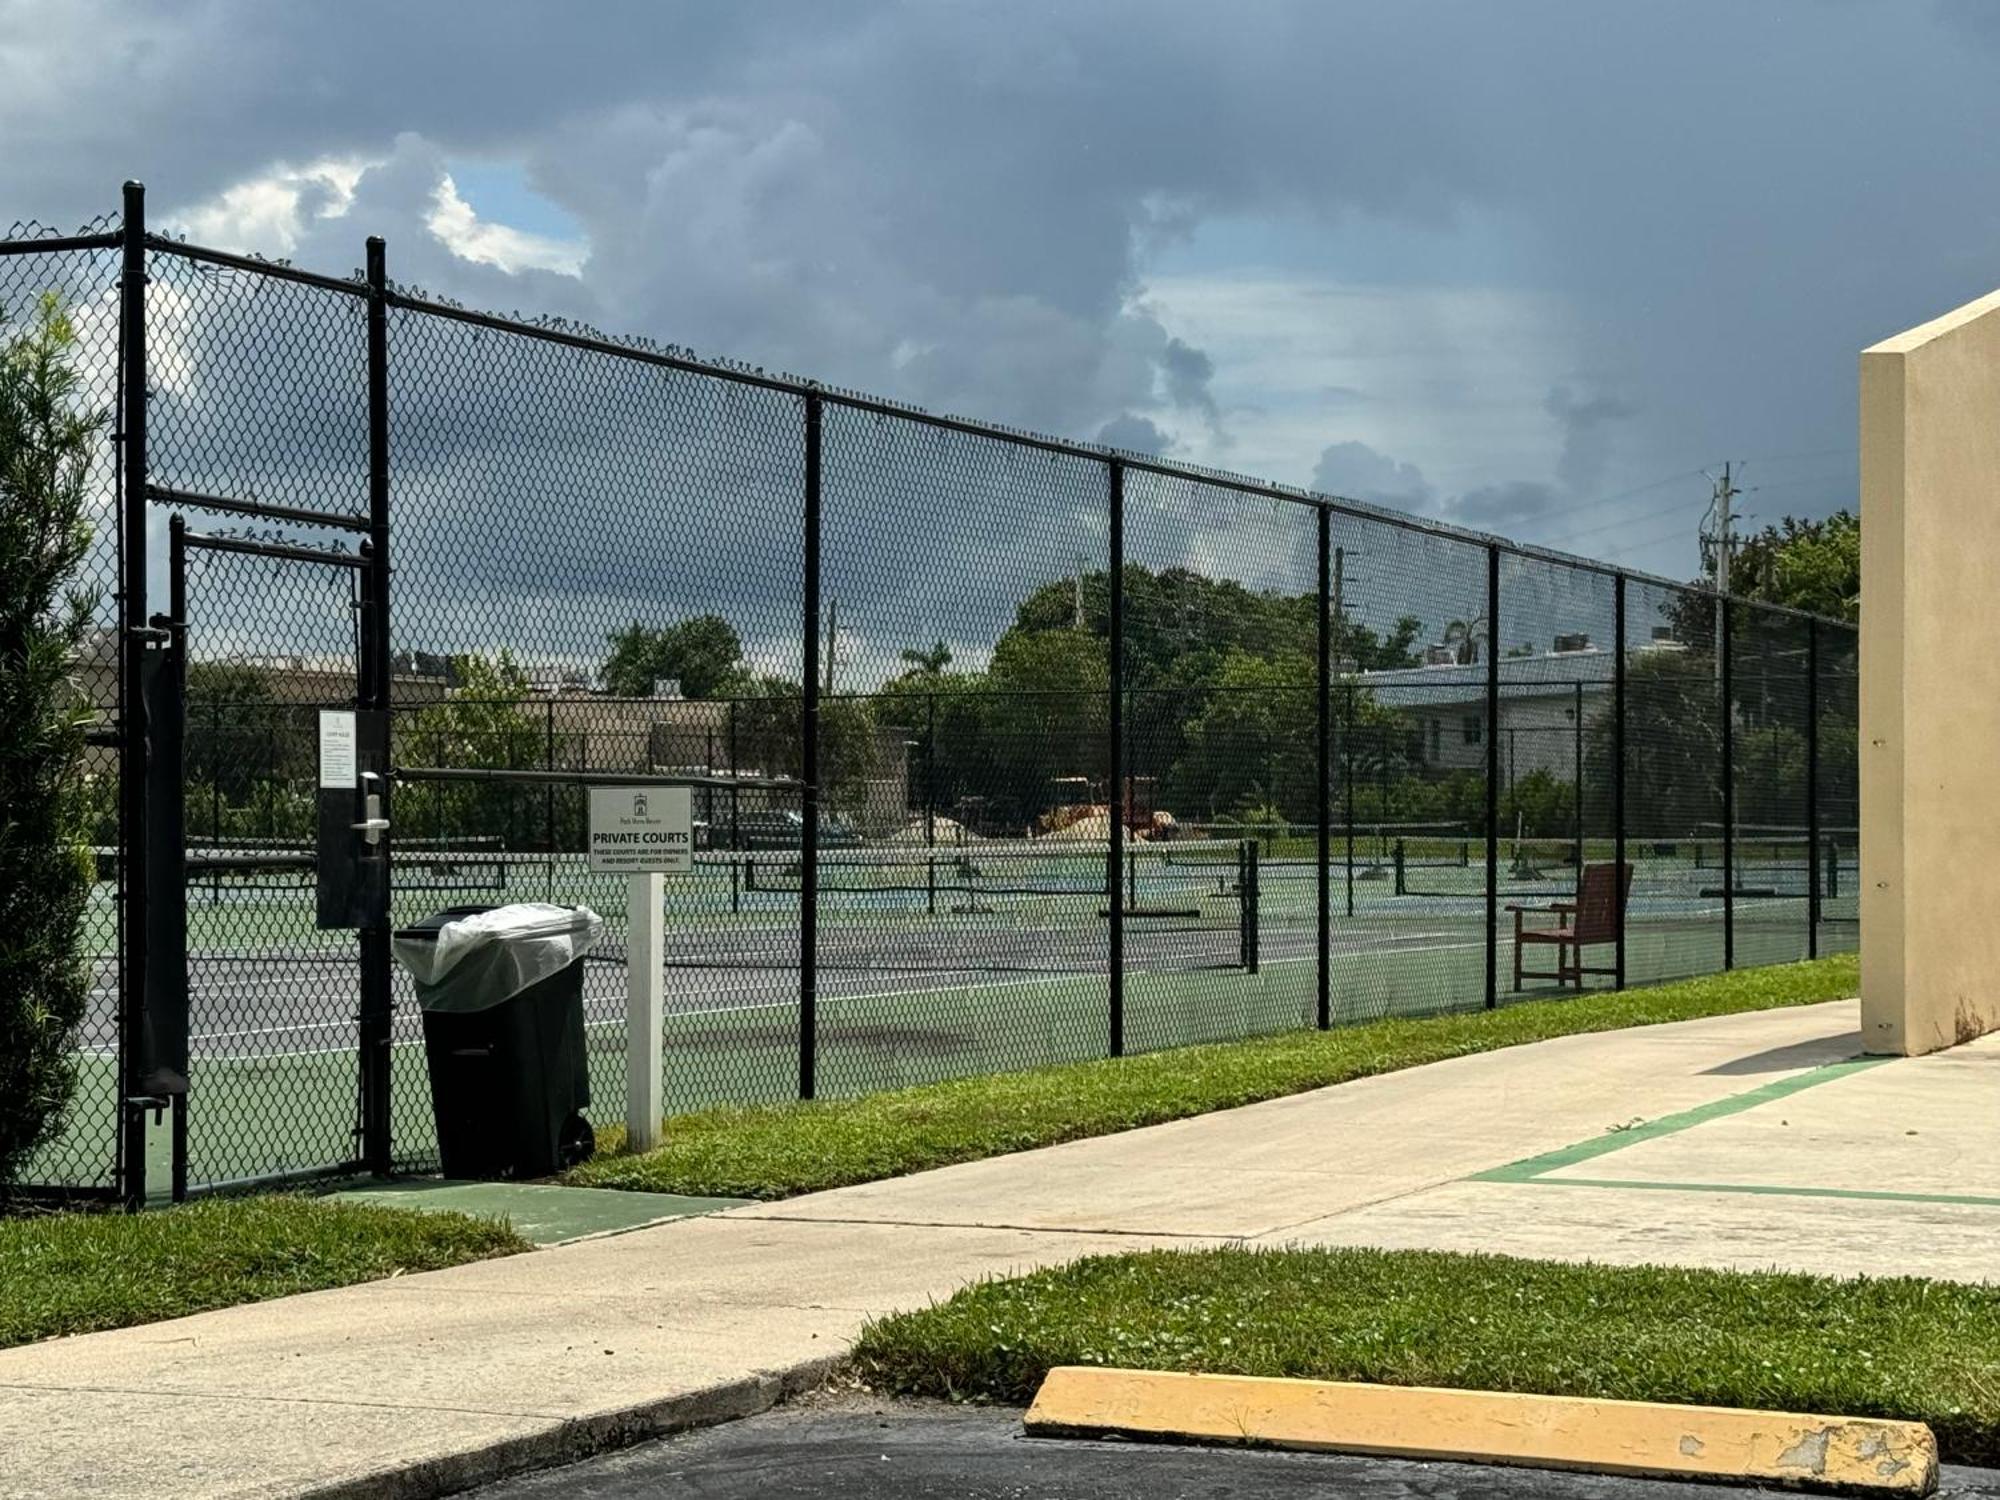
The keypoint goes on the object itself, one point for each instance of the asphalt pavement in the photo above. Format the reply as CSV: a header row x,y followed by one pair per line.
x,y
856,1446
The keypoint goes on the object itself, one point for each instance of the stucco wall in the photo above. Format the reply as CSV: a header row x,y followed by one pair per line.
x,y
1930,683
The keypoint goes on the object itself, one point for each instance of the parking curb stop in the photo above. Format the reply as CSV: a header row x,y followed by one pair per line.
x,y
1847,1455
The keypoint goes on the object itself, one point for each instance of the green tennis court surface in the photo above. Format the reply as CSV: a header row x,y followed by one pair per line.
x,y
915,985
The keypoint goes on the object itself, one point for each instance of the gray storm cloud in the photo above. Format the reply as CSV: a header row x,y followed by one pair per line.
x,y
961,205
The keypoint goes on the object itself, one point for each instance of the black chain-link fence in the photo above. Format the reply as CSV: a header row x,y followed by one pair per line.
x,y
1006,751
77,273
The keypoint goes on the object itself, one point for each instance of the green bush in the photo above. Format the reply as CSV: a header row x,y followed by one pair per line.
x,y
45,867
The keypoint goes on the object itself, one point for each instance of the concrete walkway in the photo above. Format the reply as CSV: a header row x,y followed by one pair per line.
x,y
426,1383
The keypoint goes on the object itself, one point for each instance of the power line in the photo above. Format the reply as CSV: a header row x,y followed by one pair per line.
x,y
1786,484
1615,525
1636,543
1779,458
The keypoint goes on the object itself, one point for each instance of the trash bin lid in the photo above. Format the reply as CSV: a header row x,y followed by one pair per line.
x,y
519,945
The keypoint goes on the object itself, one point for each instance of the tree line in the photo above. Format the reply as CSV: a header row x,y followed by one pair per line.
x,y
1220,726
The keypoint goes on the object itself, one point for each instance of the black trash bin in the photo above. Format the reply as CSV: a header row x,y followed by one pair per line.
x,y
510,1079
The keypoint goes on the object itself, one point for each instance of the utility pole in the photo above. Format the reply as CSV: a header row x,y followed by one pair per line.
x,y
1339,607
1718,543
1076,607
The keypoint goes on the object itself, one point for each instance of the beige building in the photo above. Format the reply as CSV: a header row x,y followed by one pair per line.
x,y
1930,691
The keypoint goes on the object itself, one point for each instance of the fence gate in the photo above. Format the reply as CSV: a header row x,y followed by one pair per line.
x,y
272,798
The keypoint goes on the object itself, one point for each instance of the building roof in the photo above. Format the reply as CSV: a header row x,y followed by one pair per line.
x,y
1549,674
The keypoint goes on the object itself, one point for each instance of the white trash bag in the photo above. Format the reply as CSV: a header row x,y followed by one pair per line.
x,y
475,962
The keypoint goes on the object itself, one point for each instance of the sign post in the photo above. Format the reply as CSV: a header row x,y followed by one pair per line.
x,y
644,833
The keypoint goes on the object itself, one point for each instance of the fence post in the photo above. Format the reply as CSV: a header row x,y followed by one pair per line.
x,y
1115,854
549,796
132,725
1618,761
809,769
1815,893
1492,775
1577,777
1324,703
177,614
930,802
377,1051
1347,778
1728,693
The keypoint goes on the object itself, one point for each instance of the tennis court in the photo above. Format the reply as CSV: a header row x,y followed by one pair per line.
x,y
839,614
931,964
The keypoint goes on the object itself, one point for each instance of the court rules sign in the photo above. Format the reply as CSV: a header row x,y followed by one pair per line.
x,y
641,830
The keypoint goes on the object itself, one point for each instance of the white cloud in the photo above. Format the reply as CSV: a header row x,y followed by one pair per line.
x,y
274,211
271,211
453,220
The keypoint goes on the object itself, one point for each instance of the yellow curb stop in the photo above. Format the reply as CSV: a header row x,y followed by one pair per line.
x,y
1844,1454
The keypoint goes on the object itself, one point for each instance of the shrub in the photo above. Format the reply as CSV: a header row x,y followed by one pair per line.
x,y
45,872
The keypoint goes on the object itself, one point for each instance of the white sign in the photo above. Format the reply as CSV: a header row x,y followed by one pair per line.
x,y
337,765
641,830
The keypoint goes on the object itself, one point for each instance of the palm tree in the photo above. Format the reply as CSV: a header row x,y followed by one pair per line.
x,y
1464,636
930,662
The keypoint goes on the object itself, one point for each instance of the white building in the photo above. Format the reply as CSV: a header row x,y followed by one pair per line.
x,y
1544,700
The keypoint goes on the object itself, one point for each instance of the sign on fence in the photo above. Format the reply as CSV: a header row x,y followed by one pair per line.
x,y
641,830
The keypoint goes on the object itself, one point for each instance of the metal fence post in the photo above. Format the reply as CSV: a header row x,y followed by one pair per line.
x,y
377,1001
809,769
1347,779
132,726
177,614
1115,852
1618,763
1576,728
930,802
1727,690
1492,776
1323,701
1815,892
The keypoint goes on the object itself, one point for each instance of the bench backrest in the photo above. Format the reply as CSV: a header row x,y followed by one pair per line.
x,y
1600,896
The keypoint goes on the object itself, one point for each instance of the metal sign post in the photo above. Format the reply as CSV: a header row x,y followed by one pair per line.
x,y
645,833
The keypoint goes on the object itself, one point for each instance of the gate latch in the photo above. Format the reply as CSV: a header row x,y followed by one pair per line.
x,y
372,825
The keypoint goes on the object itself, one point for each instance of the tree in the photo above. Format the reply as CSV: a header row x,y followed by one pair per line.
x,y
771,739
930,662
1810,565
482,725
1814,566
704,655
245,747
1370,652
1253,742
1673,745
45,865
1464,636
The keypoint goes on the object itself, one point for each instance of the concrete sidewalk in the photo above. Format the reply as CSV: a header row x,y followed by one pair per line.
x,y
426,1383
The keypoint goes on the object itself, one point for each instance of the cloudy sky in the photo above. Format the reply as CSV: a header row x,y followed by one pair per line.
x,y
1529,266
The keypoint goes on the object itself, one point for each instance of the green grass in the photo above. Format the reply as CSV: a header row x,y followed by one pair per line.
x,y
1923,1350
78,1272
781,1150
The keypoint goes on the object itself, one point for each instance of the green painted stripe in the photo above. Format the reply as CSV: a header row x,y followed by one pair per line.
x,y
1651,1130
1763,1190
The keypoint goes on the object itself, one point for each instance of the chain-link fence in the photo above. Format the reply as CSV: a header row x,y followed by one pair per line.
x,y
78,273
1005,751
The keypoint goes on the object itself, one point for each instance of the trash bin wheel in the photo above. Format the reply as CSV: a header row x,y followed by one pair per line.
x,y
578,1142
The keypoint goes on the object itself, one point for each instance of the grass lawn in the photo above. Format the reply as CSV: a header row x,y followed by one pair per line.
x,y
77,1272
1924,1350
778,1151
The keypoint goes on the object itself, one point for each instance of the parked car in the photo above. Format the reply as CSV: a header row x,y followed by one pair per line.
x,y
780,828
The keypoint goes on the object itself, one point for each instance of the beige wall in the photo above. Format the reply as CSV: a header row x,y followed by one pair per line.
x,y
1930,683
